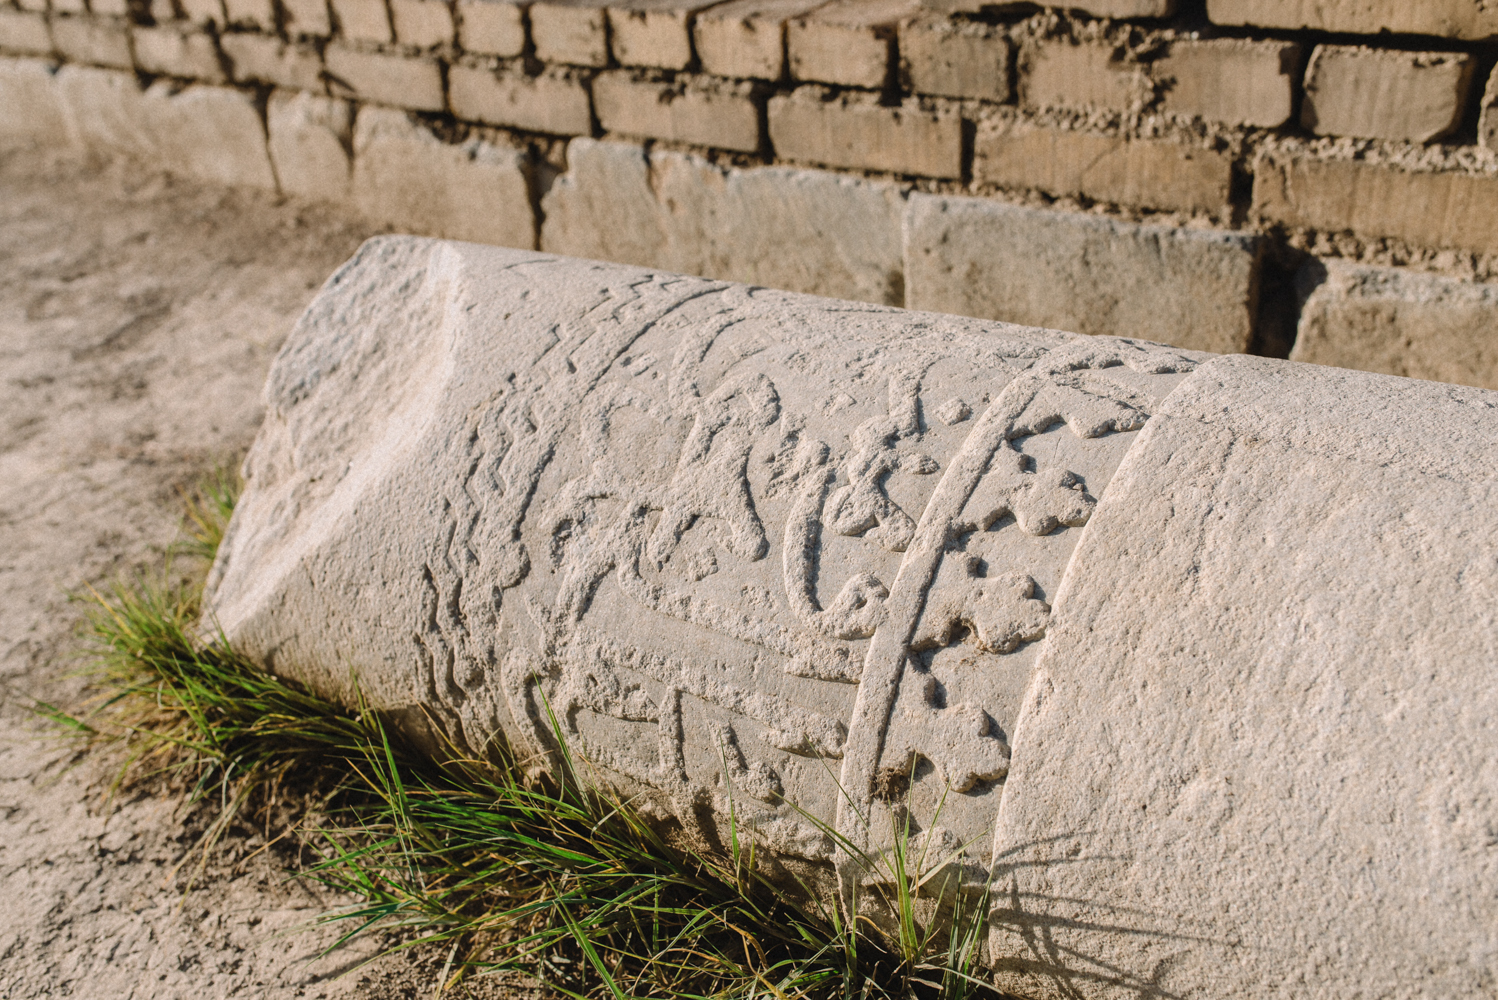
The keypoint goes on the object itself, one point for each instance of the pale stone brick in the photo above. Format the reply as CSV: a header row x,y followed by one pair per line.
x,y
571,31
955,59
215,134
1385,319
1149,173
29,105
1487,122
363,20
93,41
177,50
491,27
412,82
803,230
654,33
704,111
307,18
1085,273
255,58
109,8
310,140
68,6
746,38
920,138
1385,93
407,177
35,6
1426,209
1237,81
203,11
1088,75
422,24
554,101
1443,18
104,112
24,32
847,42
259,15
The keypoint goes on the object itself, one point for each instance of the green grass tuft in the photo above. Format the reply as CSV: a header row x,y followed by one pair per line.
x,y
559,881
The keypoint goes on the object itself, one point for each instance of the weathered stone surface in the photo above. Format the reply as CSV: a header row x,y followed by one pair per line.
x,y
1151,173
1487,122
847,42
179,51
1062,74
257,58
363,20
1230,80
1444,18
24,32
654,33
203,11
310,139
1141,625
555,101
422,24
746,38
29,107
491,27
1192,288
93,41
955,59
1392,320
801,230
698,110
1385,93
256,15
386,78
571,31
1426,208
1290,577
307,18
476,189
854,130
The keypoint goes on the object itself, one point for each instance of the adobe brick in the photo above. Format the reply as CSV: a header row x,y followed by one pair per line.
x,y
307,18
256,58
654,33
1087,75
24,32
411,82
955,59
93,41
847,42
575,32
555,101
1149,173
177,50
422,24
491,27
1231,80
1385,93
1443,18
745,39
921,138
363,20
705,111
203,11
1424,208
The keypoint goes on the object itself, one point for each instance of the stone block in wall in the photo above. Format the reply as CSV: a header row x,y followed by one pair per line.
x,y
575,32
104,112
174,49
1385,93
203,11
955,59
109,8
922,138
1487,121
1124,8
307,18
803,230
363,21
30,110
68,6
1424,208
746,38
1231,80
215,134
411,82
554,101
847,42
24,32
653,33
1148,173
93,41
475,189
491,27
1072,271
256,58
1444,18
704,111
310,138
1400,322
34,6
423,24
254,15
1061,74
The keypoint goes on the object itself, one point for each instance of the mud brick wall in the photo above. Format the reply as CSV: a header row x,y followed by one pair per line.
x,y
1318,179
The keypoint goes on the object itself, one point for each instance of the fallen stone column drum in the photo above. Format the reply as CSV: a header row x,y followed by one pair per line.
x,y
1190,660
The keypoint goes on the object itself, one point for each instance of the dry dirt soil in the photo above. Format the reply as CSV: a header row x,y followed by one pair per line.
x,y
138,315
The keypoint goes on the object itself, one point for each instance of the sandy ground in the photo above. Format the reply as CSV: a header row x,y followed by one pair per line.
x,y
138,315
